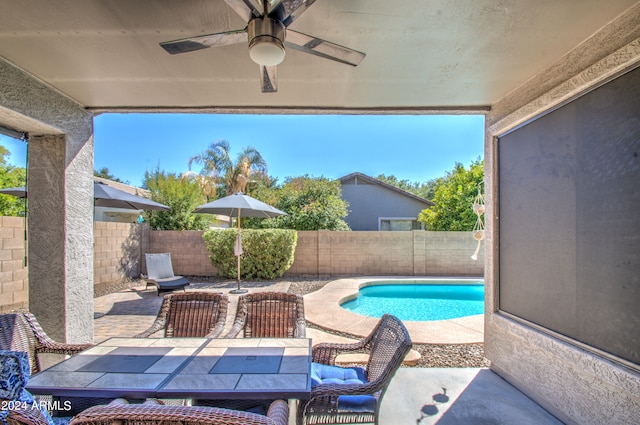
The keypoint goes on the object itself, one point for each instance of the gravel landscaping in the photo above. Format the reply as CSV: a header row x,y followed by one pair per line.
x,y
432,355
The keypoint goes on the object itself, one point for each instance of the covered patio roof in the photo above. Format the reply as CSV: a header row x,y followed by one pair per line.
x,y
421,56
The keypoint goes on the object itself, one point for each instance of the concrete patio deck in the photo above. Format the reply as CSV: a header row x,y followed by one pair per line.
x,y
416,396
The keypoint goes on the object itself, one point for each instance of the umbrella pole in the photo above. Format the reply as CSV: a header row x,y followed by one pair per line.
x,y
238,290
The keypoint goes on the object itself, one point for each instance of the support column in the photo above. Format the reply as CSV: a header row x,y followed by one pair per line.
x,y
60,190
60,207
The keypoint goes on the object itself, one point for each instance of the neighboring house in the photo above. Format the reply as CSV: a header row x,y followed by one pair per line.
x,y
120,215
376,205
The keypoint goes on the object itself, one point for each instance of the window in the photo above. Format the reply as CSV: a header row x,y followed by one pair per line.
x,y
569,221
399,224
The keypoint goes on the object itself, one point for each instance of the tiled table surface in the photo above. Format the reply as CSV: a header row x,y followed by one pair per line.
x,y
202,368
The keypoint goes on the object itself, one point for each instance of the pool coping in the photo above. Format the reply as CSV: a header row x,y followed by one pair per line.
x,y
322,308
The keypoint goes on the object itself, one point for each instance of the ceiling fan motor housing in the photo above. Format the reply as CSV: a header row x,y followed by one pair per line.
x,y
266,41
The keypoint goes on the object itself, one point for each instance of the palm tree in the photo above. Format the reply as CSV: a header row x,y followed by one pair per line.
x,y
232,177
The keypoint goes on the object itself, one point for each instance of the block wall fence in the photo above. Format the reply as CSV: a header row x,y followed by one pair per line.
x,y
119,250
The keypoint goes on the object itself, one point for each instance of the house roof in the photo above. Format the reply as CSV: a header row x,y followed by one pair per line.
x,y
124,187
372,180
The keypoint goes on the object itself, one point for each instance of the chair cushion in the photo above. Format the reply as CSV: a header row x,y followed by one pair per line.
x,y
14,375
326,374
172,282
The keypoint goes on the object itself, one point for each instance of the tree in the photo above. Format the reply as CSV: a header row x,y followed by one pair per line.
x,y
229,177
11,176
105,174
182,195
312,203
425,190
454,197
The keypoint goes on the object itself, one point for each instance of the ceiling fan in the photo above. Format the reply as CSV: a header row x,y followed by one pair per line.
x,y
268,34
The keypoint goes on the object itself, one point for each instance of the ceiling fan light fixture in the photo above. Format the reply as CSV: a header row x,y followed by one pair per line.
x,y
266,41
266,51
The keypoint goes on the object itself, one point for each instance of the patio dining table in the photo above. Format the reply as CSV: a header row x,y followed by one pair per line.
x,y
203,368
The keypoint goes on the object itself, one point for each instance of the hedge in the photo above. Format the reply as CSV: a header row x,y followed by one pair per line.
x,y
266,253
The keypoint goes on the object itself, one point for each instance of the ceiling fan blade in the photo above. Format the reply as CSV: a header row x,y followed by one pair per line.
x,y
268,80
247,9
287,11
204,41
325,49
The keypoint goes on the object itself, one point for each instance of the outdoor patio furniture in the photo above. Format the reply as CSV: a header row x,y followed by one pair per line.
x,y
190,314
155,414
269,315
160,273
354,394
182,368
20,331
16,403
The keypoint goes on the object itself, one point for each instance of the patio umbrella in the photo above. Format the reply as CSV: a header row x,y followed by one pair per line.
x,y
239,205
105,196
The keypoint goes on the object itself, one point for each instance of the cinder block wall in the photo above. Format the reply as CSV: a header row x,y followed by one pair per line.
x,y
415,253
119,250
189,255
327,253
14,283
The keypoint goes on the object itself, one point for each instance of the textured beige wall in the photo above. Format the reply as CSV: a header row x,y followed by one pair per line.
x,y
60,168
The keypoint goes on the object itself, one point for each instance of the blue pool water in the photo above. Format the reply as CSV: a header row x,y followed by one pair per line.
x,y
420,301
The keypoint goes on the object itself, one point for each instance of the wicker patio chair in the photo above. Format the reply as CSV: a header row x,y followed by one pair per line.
x,y
150,414
190,314
269,315
20,331
353,395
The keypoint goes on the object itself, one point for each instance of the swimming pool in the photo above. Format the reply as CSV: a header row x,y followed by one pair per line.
x,y
426,300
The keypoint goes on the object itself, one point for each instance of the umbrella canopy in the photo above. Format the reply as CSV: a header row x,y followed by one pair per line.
x,y
239,205
105,196
18,192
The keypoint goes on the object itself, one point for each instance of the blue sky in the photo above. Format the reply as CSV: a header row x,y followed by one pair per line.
x,y
412,147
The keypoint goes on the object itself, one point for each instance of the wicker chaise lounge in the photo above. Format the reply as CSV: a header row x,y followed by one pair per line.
x,y
190,314
150,414
269,315
353,395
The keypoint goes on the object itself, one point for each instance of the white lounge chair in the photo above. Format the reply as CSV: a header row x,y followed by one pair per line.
x,y
160,273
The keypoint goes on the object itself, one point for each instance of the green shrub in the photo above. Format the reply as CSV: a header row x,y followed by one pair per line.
x,y
266,253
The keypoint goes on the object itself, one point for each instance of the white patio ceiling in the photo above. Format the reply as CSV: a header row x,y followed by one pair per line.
x,y
421,54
